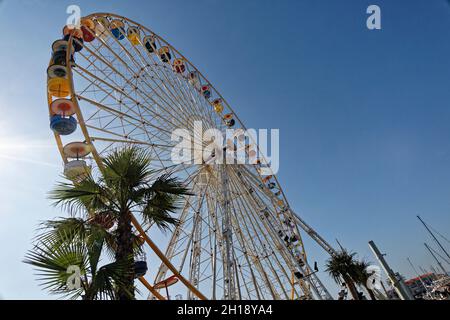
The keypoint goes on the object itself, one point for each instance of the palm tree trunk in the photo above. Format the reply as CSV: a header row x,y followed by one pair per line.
x,y
88,295
371,294
124,254
351,287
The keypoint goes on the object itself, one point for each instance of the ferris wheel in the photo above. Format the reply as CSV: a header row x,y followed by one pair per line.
x,y
113,82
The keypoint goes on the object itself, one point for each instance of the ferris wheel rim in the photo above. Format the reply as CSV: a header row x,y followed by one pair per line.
x,y
89,138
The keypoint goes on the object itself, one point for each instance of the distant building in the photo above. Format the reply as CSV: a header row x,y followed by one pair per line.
x,y
416,285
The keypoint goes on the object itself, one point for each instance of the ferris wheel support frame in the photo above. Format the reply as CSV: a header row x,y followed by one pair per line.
x,y
229,280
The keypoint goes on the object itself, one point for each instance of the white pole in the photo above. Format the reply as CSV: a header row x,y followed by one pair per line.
x,y
402,290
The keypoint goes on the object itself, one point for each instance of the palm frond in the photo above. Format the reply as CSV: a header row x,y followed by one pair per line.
x,y
162,199
127,168
108,278
52,263
341,265
158,209
86,194
170,185
125,186
62,229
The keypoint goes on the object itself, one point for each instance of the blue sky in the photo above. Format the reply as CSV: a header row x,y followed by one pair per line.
x,y
363,115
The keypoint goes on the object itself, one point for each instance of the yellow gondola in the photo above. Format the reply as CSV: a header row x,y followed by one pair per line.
x,y
133,35
58,87
88,23
218,106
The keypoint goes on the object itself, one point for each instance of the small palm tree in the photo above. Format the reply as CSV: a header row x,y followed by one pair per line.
x,y
68,252
341,267
127,185
362,276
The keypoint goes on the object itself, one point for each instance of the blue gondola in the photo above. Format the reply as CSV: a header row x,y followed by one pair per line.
x,y
140,268
206,92
63,125
118,33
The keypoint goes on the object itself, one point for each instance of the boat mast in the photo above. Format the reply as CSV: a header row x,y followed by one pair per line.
x,y
435,258
434,237
418,275
397,282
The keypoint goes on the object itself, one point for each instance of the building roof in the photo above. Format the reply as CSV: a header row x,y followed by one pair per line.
x,y
426,275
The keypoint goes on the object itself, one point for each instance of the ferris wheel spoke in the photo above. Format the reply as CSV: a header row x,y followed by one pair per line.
x,y
251,178
288,257
289,215
174,91
172,243
281,224
245,253
134,125
261,261
87,75
212,207
196,240
139,90
169,88
221,238
168,73
135,63
123,115
194,107
268,243
197,102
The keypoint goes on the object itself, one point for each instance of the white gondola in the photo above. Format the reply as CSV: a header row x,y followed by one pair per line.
x,y
76,169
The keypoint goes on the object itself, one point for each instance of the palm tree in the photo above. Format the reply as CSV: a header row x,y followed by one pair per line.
x,y
127,185
70,246
341,267
361,276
